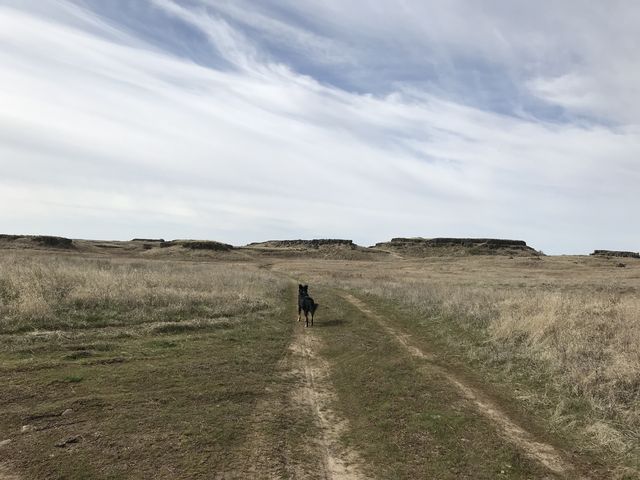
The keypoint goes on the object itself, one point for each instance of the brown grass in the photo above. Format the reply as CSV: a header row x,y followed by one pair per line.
x,y
561,335
160,364
585,341
65,292
564,331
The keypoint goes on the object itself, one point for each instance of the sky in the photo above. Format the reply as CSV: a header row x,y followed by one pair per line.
x,y
244,121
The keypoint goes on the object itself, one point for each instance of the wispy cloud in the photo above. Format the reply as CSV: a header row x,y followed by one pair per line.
x,y
105,131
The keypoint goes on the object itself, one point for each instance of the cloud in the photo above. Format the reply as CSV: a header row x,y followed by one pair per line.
x,y
282,35
107,132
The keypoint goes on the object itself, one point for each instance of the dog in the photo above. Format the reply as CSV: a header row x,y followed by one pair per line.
x,y
306,304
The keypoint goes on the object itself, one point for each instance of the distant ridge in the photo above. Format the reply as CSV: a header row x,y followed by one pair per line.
x,y
419,246
198,245
26,241
330,248
315,243
615,253
327,248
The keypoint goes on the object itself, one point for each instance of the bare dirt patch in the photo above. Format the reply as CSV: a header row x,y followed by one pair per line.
x,y
295,433
316,392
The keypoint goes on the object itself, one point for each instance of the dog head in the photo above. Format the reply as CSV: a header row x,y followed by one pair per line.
x,y
303,289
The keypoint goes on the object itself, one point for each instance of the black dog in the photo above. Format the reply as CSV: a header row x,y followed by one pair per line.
x,y
306,303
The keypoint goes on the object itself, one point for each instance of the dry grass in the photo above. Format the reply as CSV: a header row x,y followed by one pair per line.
x,y
588,342
53,293
565,331
561,334
161,364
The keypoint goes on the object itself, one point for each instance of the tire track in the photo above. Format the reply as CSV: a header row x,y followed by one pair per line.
x,y
304,392
316,391
541,452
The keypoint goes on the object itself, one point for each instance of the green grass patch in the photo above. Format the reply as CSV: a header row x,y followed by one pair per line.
x,y
176,328
78,354
160,344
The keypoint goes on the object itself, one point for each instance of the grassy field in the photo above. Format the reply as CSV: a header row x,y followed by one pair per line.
x,y
557,337
130,366
157,364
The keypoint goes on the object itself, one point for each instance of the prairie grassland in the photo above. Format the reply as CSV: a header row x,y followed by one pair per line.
x,y
562,333
163,362
133,369
64,292
406,420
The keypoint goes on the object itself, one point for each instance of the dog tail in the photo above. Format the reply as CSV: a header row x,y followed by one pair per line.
x,y
314,307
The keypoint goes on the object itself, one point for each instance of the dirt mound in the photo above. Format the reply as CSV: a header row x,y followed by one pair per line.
x,y
29,241
198,245
615,253
456,246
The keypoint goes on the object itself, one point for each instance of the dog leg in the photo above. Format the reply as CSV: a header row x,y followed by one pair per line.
x,y
299,313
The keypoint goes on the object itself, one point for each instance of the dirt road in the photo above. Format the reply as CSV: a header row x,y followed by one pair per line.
x,y
317,393
544,453
308,445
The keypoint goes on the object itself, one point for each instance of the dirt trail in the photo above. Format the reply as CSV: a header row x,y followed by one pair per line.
x,y
305,394
317,393
541,452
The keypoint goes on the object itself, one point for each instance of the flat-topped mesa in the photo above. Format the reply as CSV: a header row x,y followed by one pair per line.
x,y
315,243
457,246
157,240
615,253
48,241
465,242
198,245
